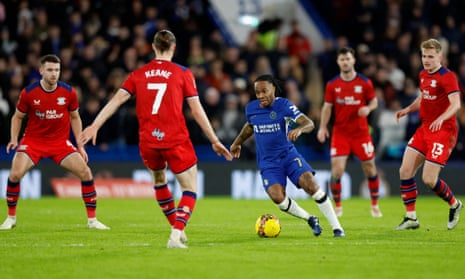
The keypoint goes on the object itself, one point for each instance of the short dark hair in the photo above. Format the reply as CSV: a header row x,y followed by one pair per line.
x,y
52,58
163,40
346,50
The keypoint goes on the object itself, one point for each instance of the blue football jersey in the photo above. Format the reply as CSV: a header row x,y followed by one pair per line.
x,y
270,126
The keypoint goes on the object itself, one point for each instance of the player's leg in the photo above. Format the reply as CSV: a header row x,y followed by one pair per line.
x,y
369,168
75,163
431,178
20,165
338,165
183,163
439,148
155,161
411,161
307,182
277,194
188,182
163,195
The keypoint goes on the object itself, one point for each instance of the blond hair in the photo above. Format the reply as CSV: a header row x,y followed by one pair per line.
x,y
432,44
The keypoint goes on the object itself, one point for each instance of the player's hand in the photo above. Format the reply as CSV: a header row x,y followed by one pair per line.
x,y
401,113
89,133
363,111
294,134
10,146
436,125
235,150
83,153
322,135
221,150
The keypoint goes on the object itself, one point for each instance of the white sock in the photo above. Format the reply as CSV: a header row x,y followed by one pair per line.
x,y
291,207
411,214
325,206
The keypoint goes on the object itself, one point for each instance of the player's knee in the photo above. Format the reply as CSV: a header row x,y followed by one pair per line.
x,y
429,180
405,173
85,174
276,194
15,176
336,174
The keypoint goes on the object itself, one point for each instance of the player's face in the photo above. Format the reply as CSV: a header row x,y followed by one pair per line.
x,y
346,62
431,59
50,72
264,90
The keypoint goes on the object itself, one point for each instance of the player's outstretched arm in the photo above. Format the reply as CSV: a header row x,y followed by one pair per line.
x,y
201,118
414,106
323,132
244,134
90,132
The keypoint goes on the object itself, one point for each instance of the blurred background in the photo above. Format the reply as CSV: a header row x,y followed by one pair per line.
x,y
227,44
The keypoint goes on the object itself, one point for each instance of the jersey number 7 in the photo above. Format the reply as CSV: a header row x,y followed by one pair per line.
x,y
161,89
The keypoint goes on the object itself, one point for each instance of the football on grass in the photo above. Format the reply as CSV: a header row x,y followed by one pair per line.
x,y
267,225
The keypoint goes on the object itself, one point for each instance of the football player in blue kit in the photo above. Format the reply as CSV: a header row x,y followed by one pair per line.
x,y
268,119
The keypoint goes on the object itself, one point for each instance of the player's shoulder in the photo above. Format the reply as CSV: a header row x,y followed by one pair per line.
x,y
32,86
282,101
445,71
253,104
168,64
65,86
363,78
334,79
181,67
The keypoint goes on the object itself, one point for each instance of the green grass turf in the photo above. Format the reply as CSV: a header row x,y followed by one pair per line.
x,y
51,241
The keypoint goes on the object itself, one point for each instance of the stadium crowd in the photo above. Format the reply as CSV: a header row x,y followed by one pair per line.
x,y
100,41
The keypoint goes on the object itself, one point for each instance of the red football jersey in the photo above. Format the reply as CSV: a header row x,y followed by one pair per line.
x,y
160,88
435,89
347,97
48,112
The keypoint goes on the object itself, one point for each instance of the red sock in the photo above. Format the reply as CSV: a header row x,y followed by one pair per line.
x,y
89,196
185,209
373,185
409,192
12,196
165,200
336,189
443,191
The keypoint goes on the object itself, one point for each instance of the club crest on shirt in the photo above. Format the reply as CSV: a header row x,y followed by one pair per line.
x,y
61,101
433,83
357,89
273,115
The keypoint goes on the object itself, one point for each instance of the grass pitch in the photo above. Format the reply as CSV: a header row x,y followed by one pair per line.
x,y
51,241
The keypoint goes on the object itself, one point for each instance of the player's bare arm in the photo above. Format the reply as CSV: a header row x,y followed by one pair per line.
x,y
305,125
201,118
323,132
452,110
414,106
15,129
76,127
90,132
245,133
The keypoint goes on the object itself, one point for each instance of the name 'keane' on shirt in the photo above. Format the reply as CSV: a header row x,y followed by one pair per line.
x,y
158,73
